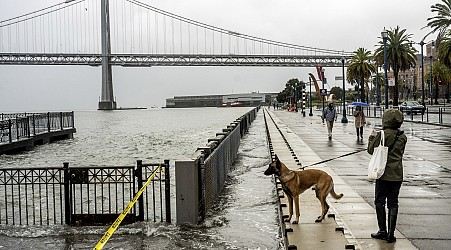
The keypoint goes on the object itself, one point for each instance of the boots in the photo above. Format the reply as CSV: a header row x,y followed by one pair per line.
x,y
392,217
380,213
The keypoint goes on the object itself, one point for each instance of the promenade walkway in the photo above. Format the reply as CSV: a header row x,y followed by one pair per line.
x,y
355,217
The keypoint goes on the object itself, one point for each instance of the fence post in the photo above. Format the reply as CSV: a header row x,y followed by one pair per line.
x,y
167,191
17,129
48,121
10,131
61,120
440,115
67,196
34,125
73,119
188,193
139,179
28,127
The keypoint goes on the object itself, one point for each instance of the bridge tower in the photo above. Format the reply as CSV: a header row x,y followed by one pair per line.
x,y
107,98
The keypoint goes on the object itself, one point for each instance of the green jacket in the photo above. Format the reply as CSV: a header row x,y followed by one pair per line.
x,y
394,168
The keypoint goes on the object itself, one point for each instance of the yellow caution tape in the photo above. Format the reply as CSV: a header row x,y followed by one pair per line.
x,y
121,216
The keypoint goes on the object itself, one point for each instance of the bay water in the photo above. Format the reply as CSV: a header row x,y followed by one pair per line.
x,y
244,217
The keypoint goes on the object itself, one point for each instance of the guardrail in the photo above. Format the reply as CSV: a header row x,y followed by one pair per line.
x,y
23,125
432,115
199,181
28,129
82,195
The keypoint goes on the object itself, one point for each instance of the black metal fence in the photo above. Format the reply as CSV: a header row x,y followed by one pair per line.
x,y
430,114
200,180
214,164
18,126
83,195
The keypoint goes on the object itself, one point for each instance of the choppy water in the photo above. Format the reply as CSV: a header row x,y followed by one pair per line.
x,y
244,217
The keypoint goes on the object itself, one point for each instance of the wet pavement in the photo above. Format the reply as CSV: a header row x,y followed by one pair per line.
x,y
425,197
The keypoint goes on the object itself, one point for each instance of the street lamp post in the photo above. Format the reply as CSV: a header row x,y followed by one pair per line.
x,y
343,119
432,81
422,74
384,35
322,80
378,100
295,98
310,97
421,43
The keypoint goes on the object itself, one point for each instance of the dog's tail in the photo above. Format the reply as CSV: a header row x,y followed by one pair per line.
x,y
335,195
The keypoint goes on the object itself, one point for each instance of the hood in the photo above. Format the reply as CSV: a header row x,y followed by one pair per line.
x,y
392,118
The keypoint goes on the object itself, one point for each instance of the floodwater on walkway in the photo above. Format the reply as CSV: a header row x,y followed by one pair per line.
x,y
245,215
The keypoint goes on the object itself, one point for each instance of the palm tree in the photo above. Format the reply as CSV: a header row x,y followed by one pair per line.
x,y
444,55
440,76
442,20
444,50
400,55
360,69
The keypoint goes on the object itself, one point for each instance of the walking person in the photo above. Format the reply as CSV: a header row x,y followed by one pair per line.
x,y
330,115
359,121
388,186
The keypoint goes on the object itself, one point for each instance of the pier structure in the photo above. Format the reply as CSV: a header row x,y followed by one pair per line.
x,y
23,131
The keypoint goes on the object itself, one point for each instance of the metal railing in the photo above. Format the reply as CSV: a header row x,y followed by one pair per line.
x,y
433,115
83,195
215,164
17,126
200,180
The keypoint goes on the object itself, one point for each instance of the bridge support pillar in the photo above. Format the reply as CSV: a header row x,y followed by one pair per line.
x,y
107,99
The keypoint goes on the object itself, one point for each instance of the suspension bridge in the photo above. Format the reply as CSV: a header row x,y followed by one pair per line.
x,y
130,33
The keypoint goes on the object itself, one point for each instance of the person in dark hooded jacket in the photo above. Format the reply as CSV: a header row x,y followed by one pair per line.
x,y
388,186
330,115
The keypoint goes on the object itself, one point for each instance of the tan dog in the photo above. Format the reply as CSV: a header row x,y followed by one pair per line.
x,y
295,182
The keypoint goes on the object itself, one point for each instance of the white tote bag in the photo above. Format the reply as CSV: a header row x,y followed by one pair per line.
x,y
376,167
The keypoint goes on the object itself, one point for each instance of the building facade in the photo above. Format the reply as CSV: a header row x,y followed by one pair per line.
x,y
231,100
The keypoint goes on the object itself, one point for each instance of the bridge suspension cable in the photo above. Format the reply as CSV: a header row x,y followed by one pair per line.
x,y
236,34
60,28
136,28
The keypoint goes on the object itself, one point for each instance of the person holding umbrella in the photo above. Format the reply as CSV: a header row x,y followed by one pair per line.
x,y
359,121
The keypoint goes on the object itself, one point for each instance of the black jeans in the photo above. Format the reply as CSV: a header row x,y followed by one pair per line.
x,y
359,130
387,190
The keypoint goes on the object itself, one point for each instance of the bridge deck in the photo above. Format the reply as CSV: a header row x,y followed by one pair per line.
x,y
149,60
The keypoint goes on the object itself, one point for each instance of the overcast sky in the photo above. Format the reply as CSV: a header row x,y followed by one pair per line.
x,y
328,24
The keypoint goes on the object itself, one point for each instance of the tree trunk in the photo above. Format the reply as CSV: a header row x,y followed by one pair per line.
x,y
436,92
362,89
396,94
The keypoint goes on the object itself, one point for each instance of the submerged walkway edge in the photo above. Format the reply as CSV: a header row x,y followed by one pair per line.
x,y
350,220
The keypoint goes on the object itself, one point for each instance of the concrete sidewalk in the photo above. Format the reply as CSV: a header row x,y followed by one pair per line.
x,y
295,138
